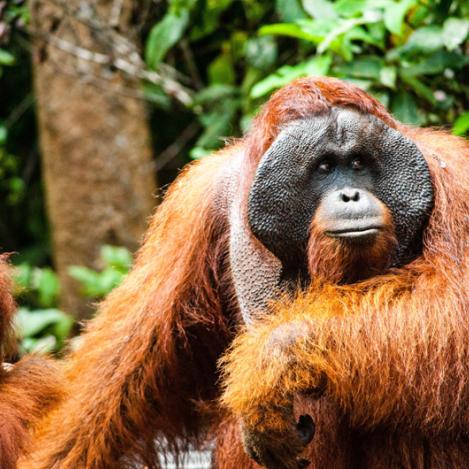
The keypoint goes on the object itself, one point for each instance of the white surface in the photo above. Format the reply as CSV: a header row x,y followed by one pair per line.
x,y
192,460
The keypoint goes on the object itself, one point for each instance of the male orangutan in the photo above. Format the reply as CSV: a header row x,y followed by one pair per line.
x,y
332,243
27,388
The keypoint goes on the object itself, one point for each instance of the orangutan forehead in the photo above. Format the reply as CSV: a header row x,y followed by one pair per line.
x,y
337,131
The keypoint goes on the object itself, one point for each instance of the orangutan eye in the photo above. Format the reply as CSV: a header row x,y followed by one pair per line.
x,y
325,167
357,164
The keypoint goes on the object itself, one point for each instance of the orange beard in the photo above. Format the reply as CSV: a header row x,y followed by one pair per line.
x,y
342,261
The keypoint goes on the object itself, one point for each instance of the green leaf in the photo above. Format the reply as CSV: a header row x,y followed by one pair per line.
x,y
23,275
197,153
455,31
217,124
108,279
395,13
62,328
43,345
291,30
378,32
363,67
221,70
461,124
46,283
3,134
117,256
350,8
289,10
17,188
255,10
320,9
424,40
360,34
157,96
88,278
30,323
404,108
261,52
341,28
317,66
214,93
207,18
164,35
387,76
419,88
237,45
436,63
96,284
251,77
6,58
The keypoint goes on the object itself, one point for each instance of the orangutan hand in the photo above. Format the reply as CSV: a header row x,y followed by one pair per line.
x,y
279,445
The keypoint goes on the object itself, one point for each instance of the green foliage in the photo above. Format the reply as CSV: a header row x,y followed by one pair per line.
x,y
11,184
12,14
23,227
39,287
410,54
42,330
231,55
167,32
41,326
461,125
116,261
395,50
6,59
316,66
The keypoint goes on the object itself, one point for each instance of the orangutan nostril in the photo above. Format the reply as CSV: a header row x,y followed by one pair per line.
x,y
306,428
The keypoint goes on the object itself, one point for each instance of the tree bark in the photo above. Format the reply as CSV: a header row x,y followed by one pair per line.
x,y
94,136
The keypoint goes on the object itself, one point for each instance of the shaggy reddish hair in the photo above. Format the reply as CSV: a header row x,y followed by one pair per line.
x,y
27,389
394,348
335,262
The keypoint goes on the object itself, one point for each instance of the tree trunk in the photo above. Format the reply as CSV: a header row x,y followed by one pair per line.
x,y
94,136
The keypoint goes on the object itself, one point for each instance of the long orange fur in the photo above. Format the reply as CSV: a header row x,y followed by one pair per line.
x,y
151,352
144,378
394,348
28,389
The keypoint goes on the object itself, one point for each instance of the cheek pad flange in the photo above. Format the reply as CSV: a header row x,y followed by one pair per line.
x,y
405,186
281,202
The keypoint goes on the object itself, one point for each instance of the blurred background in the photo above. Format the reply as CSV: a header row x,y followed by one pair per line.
x,y
102,102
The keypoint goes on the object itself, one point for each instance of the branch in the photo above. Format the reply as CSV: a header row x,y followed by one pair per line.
x,y
173,150
123,56
133,69
115,15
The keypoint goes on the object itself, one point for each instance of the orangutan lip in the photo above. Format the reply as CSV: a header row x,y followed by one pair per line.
x,y
355,233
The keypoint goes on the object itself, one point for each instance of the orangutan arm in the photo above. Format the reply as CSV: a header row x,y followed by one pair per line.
x,y
151,351
395,355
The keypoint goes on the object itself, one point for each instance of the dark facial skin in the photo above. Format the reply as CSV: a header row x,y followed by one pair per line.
x,y
347,164
349,210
